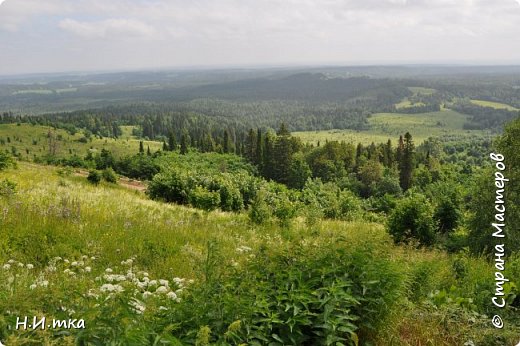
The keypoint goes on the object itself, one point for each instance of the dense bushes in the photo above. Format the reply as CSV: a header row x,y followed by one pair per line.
x,y
412,219
322,292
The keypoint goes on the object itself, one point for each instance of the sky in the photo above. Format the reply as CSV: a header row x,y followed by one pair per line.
x,y
100,35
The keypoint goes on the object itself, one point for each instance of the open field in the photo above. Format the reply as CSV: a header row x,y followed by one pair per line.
x,y
32,140
496,105
406,103
384,126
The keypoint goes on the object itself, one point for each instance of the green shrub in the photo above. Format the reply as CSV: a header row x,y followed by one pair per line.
x,y
259,211
7,188
94,177
109,175
6,161
412,219
204,199
317,293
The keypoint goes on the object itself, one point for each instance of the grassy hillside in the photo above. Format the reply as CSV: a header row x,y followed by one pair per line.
x,y
32,140
384,126
73,250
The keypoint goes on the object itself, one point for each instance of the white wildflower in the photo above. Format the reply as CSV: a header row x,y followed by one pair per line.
x,y
111,288
161,289
171,295
11,261
51,268
29,266
138,306
147,294
20,264
33,286
74,264
7,266
243,249
164,282
108,270
88,269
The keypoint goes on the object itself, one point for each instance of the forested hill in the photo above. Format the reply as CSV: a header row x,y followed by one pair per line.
x,y
311,87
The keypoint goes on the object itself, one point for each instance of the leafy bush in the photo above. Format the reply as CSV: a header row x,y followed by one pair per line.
x,y
204,199
259,212
412,219
335,202
6,161
7,188
109,175
94,177
315,293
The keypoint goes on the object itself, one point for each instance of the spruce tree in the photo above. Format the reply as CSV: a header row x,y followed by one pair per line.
x,y
259,153
407,163
141,147
184,142
172,143
282,156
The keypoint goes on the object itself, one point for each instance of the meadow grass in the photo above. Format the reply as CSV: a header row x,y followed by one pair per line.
x,y
32,140
55,215
496,105
384,126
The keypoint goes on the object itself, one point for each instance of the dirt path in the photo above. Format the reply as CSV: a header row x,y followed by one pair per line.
x,y
122,181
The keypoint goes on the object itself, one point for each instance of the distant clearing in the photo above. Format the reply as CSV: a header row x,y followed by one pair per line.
x,y
386,126
421,90
496,105
31,140
406,103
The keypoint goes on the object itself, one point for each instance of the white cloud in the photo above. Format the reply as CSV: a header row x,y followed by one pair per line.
x,y
180,32
109,28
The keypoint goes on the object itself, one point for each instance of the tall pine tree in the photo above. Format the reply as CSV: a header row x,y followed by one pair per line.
x,y
407,163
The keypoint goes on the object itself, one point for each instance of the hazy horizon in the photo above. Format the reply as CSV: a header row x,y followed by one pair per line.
x,y
60,36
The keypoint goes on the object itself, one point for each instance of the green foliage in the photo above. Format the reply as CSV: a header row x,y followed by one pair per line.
x,y
201,198
7,188
259,211
6,161
319,293
109,175
94,177
336,203
412,219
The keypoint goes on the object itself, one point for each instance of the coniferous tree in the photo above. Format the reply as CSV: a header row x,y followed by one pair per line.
x,y
141,147
250,148
184,142
267,164
259,153
282,155
399,150
226,145
172,143
389,154
407,163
